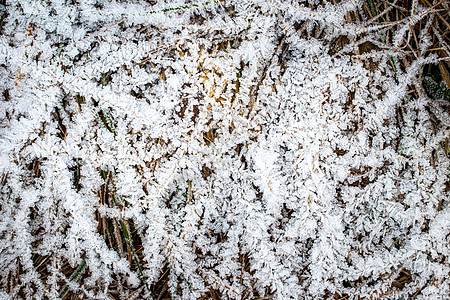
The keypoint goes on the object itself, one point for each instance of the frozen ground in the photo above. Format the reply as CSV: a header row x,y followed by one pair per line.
x,y
225,149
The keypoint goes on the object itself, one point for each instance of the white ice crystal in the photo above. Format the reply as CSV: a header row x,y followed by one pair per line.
x,y
219,145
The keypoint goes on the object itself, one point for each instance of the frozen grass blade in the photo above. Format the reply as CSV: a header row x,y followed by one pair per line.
x,y
74,277
183,7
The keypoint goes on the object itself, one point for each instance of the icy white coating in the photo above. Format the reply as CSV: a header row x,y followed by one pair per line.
x,y
248,156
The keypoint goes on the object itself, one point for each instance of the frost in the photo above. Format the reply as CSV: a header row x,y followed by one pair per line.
x,y
218,149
